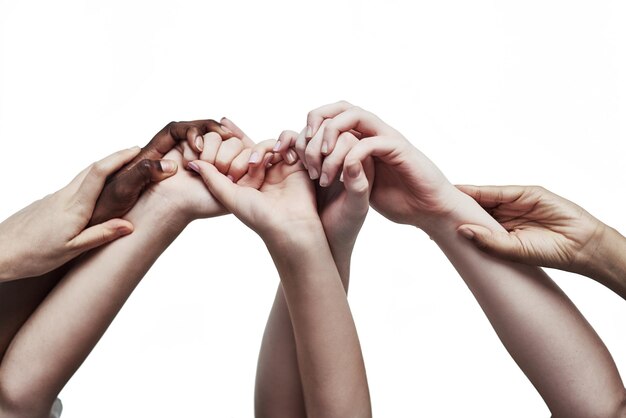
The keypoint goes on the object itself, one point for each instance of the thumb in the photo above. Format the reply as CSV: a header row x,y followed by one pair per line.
x,y
218,184
357,187
100,234
498,243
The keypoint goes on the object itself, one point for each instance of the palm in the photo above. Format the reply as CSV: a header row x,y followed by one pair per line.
x,y
285,199
550,233
186,190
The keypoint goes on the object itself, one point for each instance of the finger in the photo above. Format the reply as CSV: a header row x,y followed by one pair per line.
x,y
285,146
193,133
332,163
239,166
188,153
227,123
356,119
212,143
256,174
313,154
316,116
492,196
100,234
259,151
502,244
357,187
301,143
144,173
227,153
93,182
373,146
218,184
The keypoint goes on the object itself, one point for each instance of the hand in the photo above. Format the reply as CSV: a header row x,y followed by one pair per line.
x,y
124,188
543,229
408,188
53,230
341,205
185,192
284,204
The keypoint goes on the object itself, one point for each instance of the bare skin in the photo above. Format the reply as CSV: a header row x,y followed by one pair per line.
x,y
323,347
543,331
79,309
544,229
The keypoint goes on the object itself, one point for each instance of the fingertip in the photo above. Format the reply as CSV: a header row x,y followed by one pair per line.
x,y
124,228
168,167
466,232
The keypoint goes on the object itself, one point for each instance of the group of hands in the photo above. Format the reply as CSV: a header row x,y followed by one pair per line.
x,y
325,176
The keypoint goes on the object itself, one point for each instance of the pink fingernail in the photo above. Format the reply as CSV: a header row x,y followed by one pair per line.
x,y
231,178
277,146
254,158
195,167
199,143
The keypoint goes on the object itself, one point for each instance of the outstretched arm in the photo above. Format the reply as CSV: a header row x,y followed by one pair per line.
x,y
546,335
65,327
544,229
327,348
342,207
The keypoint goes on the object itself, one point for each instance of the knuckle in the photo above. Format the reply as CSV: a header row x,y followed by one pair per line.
x,y
171,124
344,103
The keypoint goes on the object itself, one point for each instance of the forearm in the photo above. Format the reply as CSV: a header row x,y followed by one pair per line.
x,y
278,387
57,338
607,263
540,327
328,350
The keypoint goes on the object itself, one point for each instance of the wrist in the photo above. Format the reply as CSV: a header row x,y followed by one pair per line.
x,y
154,210
295,235
604,260
459,209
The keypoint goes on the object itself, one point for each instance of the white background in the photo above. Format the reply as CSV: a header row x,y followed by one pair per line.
x,y
494,92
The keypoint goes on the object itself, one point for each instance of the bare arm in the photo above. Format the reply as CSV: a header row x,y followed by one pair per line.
x,y
540,327
544,332
328,352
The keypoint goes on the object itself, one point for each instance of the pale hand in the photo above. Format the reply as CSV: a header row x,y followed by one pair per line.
x,y
543,229
54,230
408,188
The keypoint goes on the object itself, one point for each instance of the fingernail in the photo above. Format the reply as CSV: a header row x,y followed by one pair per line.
x,y
277,146
168,166
195,167
313,173
354,171
324,148
324,180
341,177
254,158
225,129
123,230
467,233
309,132
231,178
268,160
291,156
199,143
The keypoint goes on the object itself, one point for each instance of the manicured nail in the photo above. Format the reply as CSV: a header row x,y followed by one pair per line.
x,y
324,148
231,178
168,166
291,156
276,146
254,158
309,132
341,177
199,143
354,171
195,167
313,173
467,233
324,180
